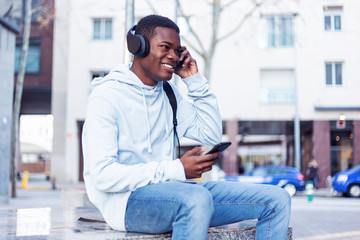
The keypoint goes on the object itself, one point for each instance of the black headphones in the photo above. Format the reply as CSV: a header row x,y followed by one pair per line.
x,y
137,44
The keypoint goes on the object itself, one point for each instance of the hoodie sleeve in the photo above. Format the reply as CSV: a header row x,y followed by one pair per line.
x,y
201,118
101,162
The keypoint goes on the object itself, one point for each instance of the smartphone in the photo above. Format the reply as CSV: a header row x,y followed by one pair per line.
x,y
180,64
219,147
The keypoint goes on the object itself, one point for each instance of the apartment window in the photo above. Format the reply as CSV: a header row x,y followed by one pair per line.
x,y
32,61
102,28
277,86
333,73
332,18
279,31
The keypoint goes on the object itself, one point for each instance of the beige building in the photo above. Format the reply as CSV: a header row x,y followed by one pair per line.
x,y
288,59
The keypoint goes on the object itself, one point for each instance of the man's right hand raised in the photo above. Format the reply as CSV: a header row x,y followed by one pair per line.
x,y
195,164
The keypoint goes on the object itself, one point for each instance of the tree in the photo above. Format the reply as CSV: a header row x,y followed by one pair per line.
x,y
18,95
198,43
218,9
45,18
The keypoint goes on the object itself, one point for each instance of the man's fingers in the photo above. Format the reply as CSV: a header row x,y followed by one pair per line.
x,y
196,151
207,169
211,156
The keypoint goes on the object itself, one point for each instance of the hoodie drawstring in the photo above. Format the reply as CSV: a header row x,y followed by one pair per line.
x,y
147,122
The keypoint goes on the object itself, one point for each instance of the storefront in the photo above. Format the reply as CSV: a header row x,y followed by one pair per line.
x,y
334,145
341,140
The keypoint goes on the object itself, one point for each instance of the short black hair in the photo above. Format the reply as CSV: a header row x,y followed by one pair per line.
x,y
146,26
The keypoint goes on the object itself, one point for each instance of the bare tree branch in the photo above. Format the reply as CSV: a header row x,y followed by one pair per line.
x,y
239,25
189,43
152,7
228,4
197,38
197,45
216,12
7,13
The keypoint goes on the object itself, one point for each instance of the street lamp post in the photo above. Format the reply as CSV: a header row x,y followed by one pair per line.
x,y
296,103
129,22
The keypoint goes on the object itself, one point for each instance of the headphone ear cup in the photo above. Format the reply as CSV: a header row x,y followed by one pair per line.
x,y
144,46
137,44
133,42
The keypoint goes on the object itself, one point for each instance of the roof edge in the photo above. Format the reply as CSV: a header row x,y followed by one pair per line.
x,y
9,25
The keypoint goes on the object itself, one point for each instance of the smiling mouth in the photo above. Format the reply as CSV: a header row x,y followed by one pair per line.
x,y
168,66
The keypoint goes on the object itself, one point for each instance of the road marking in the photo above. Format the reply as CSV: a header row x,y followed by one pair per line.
x,y
331,236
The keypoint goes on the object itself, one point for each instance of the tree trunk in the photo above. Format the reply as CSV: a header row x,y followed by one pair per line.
x,y
216,13
18,95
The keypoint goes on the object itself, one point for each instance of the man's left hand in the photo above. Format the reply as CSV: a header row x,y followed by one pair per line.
x,y
188,67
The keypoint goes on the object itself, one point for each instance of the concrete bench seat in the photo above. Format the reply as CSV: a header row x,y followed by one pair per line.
x,y
63,223
214,234
76,198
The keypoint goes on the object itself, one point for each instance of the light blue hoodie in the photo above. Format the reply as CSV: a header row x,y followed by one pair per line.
x,y
128,138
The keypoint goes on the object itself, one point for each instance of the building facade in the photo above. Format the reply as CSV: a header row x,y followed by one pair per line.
x,y
7,56
287,63
301,61
36,94
36,98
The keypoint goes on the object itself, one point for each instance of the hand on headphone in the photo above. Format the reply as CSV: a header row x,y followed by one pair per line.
x,y
187,65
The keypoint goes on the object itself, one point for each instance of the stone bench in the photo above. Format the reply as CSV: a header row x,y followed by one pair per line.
x,y
77,198
214,234
63,223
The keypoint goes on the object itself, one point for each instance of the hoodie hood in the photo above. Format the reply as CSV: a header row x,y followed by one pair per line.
x,y
123,74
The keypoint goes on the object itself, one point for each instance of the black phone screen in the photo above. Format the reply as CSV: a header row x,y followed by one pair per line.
x,y
180,64
219,147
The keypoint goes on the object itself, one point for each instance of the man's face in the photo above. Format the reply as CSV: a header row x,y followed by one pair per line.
x,y
163,57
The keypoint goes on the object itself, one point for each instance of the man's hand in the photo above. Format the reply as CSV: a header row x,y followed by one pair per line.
x,y
195,164
189,66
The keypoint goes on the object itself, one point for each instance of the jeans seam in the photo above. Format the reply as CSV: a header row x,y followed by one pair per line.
x,y
158,199
269,225
254,203
237,202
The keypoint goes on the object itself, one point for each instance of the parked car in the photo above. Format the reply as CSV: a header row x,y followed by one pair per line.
x,y
348,182
288,178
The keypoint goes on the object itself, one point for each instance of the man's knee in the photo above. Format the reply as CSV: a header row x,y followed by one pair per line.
x,y
281,199
198,203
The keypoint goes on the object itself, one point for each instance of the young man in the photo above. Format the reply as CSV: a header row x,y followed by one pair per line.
x,y
129,167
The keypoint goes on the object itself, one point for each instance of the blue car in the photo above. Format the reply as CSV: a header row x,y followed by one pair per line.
x,y
348,182
288,178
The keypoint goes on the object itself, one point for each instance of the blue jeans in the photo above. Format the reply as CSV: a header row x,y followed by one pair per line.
x,y
188,209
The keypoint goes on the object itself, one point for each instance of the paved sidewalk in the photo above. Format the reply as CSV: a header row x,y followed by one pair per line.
x,y
40,193
322,192
38,212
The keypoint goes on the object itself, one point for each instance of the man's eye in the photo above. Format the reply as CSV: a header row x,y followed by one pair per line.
x,y
165,47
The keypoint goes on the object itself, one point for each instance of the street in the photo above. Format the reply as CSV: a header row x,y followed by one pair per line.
x,y
325,218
